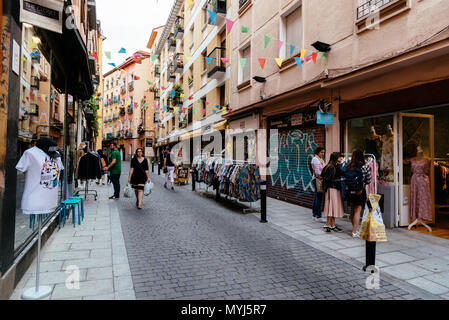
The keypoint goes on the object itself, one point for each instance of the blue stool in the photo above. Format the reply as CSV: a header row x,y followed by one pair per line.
x,y
69,203
82,205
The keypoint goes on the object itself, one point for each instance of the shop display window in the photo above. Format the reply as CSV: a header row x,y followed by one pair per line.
x,y
374,135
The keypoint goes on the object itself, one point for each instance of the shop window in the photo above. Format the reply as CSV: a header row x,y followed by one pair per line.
x,y
375,136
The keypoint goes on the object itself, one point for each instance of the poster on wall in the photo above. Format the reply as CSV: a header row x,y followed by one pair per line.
x,y
45,14
15,57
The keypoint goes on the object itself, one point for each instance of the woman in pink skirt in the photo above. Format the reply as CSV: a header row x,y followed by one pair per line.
x,y
333,203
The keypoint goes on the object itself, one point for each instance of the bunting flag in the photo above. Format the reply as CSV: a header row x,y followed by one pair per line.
x,y
262,62
122,50
308,58
149,82
214,111
243,62
314,56
199,101
208,59
303,53
266,41
298,61
245,29
190,98
182,95
173,92
280,43
188,58
190,3
213,16
95,55
229,24
225,60
279,61
163,88
154,57
292,49
323,56
136,78
112,64
122,71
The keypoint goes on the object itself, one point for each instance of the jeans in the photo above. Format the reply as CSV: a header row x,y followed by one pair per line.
x,y
115,178
317,202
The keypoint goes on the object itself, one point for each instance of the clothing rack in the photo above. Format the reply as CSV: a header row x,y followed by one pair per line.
x,y
86,190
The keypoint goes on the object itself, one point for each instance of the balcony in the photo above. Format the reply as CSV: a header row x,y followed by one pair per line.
x,y
242,3
36,56
123,89
179,28
157,72
218,6
171,42
128,134
178,63
216,69
35,82
131,86
156,94
140,130
171,77
130,109
122,111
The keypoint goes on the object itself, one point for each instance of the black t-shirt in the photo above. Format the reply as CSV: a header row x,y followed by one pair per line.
x,y
168,156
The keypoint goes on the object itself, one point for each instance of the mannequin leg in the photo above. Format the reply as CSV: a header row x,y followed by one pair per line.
x,y
412,224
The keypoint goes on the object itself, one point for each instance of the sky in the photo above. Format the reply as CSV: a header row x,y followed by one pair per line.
x,y
128,24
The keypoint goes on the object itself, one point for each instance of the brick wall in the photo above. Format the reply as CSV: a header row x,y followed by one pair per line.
x,y
292,181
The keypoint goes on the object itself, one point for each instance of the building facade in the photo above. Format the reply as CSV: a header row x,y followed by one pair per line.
x,y
380,69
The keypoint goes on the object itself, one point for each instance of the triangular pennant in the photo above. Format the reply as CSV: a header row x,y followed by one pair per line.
x,y
292,49
303,53
266,41
154,57
308,58
323,57
136,78
150,83
298,61
208,59
213,16
95,55
190,3
107,54
112,64
122,50
245,29
262,62
229,24
188,58
243,62
173,92
314,56
280,43
225,60
279,61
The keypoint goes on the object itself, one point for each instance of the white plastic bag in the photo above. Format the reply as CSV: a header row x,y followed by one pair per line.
x,y
148,188
127,191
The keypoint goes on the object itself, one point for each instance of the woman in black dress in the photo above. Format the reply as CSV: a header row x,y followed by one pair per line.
x,y
139,175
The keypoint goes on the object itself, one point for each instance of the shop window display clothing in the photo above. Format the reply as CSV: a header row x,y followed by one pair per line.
x,y
421,200
42,175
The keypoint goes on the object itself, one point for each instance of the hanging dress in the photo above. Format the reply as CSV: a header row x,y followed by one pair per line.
x,y
421,200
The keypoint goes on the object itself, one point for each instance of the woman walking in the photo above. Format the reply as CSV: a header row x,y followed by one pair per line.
x,y
169,167
317,167
333,204
357,176
138,175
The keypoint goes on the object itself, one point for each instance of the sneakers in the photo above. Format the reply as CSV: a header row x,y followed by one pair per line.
x,y
327,228
114,198
172,188
356,235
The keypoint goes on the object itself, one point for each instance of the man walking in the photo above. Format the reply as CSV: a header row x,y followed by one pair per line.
x,y
116,169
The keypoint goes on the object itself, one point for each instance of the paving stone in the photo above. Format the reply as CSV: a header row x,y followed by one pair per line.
x,y
429,285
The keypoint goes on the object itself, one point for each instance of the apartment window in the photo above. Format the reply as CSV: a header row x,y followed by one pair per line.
x,y
245,72
222,95
291,32
203,104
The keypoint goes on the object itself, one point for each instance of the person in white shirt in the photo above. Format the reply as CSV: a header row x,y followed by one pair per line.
x,y
317,167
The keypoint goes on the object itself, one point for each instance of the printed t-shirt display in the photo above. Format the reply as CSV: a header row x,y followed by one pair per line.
x,y
42,174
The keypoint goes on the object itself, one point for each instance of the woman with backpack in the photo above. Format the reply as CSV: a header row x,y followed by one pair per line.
x,y
357,176
333,204
317,166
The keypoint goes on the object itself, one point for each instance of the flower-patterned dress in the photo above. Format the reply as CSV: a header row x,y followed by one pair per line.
x,y
421,200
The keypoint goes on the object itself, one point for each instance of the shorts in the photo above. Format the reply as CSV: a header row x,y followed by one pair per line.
x,y
357,199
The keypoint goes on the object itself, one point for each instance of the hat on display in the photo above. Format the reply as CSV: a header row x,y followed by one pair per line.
x,y
49,146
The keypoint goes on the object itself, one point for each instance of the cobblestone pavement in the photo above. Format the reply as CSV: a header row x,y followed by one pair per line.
x,y
183,245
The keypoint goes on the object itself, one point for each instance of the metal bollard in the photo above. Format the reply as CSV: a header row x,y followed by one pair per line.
x,y
159,169
263,202
193,180
370,254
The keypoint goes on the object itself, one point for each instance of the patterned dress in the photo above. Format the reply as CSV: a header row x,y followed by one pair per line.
x,y
421,200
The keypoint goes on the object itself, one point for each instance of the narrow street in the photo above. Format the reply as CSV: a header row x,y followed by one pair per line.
x,y
183,245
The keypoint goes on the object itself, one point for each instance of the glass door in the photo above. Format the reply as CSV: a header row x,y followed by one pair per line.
x,y
415,131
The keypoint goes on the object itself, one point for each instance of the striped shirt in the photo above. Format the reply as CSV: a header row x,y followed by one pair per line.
x,y
366,174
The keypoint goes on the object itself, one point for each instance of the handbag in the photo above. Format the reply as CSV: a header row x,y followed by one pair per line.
x,y
165,170
319,185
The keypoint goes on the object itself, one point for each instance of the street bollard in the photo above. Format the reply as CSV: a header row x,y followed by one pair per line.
x,y
193,180
263,202
159,169
370,254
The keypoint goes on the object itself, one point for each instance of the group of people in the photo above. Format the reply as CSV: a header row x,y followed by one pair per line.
x,y
337,181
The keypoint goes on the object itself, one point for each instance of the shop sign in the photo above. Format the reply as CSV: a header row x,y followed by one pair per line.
x,y
296,119
15,57
325,118
149,143
45,14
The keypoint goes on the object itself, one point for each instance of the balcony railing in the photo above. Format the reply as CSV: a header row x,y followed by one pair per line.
x,y
122,111
157,72
131,85
179,27
171,73
171,42
178,63
216,68
242,3
123,90
370,6
35,82
156,93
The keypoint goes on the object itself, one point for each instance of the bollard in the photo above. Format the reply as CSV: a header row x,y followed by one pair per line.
x,y
370,254
159,169
193,180
263,202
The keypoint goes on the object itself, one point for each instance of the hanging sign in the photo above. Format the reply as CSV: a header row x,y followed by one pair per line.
x,y
325,118
45,14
